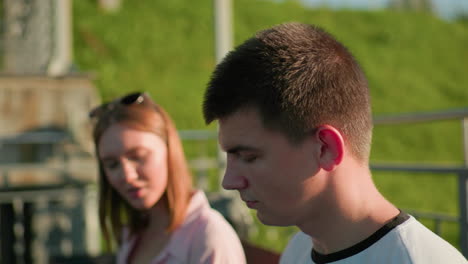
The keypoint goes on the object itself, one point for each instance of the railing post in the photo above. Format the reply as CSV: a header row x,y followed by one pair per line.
x,y
7,218
463,192
463,203
465,140
223,44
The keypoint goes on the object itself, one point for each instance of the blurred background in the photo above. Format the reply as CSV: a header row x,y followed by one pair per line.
x,y
59,58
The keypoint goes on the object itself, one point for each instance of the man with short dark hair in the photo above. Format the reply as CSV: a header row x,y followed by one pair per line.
x,y
295,119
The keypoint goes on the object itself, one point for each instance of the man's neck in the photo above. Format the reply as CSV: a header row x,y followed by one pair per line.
x,y
356,210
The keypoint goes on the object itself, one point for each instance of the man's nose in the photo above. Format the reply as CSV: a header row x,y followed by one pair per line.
x,y
233,179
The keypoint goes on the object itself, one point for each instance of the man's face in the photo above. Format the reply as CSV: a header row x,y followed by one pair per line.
x,y
281,180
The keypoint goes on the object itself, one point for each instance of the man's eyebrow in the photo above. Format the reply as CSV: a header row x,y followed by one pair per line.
x,y
107,158
240,148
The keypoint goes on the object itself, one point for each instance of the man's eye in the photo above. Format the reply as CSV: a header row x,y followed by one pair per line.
x,y
249,158
111,164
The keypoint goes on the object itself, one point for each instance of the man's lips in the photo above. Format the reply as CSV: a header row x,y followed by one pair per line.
x,y
251,203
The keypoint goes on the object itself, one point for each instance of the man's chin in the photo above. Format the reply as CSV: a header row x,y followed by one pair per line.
x,y
271,220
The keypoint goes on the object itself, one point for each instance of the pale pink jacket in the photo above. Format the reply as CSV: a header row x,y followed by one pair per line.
x,y
204,237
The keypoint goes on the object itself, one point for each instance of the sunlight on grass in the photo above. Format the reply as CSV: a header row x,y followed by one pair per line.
x,y
414,62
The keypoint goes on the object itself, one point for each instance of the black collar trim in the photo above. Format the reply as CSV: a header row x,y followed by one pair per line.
x,y
361,246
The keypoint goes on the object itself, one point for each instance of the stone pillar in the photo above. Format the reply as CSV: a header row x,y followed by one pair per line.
x,y
28,36
37,38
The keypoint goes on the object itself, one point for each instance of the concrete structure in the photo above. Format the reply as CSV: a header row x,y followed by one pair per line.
x,y
47,170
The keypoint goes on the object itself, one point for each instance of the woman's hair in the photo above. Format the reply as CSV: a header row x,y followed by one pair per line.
x,y
114,212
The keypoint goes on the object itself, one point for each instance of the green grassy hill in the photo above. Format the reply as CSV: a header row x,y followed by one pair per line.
x,y
414,62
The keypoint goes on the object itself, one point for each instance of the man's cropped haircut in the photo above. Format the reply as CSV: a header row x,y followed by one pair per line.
x,y
298,77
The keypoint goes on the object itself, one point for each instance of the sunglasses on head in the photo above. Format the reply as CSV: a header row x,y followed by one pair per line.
x,y
140,98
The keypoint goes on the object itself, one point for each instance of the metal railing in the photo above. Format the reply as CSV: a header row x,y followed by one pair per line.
x,y
410,118
19,202
212,161
461,171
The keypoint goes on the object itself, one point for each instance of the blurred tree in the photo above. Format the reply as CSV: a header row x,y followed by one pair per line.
x,y
462,17
420,5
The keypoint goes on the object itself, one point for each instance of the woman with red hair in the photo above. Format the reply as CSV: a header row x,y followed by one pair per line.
x,y
147,204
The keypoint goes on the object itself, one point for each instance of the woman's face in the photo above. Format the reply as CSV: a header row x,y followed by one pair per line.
x,y
135,164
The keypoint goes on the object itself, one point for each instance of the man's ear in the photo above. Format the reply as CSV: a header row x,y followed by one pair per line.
x,y
332,146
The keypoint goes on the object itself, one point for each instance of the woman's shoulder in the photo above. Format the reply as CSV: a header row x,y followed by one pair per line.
x,y
216,240
205,224
202,215
207,235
